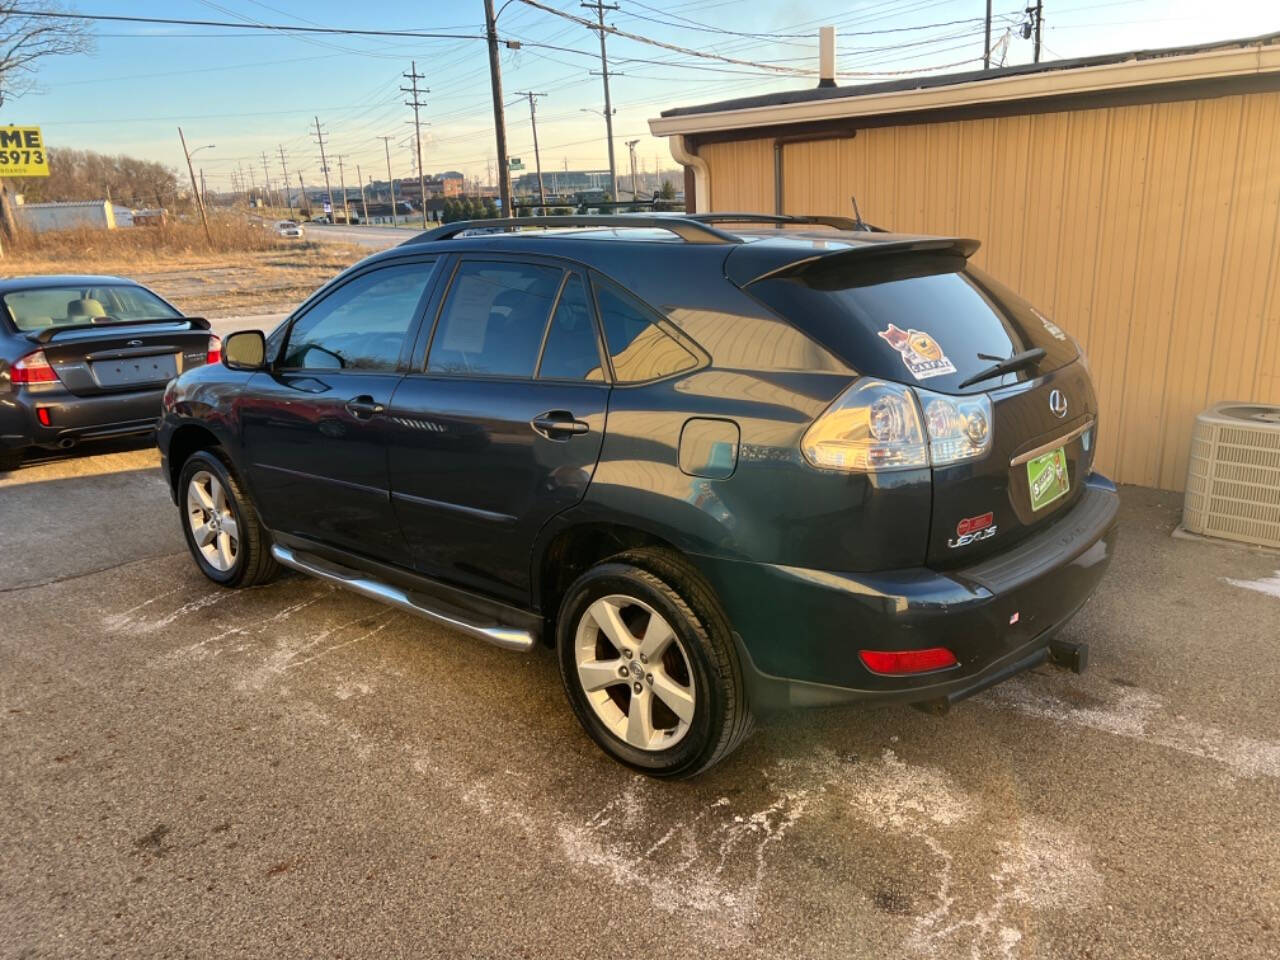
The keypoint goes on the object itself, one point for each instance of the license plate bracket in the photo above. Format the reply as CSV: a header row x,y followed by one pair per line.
x,y
135,371
1047,478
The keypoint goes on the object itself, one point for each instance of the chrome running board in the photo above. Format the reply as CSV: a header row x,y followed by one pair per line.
x,y
509,638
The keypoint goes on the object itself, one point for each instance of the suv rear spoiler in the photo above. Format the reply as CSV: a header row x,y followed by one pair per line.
x,y
869,253
49,333
787,219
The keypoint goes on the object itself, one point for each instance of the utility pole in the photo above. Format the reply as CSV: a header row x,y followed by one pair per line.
x,y
342,181
204,189
414,76
499,118
599,6
253,185
302,195
363,205
537,159
631,148
194,189
1039,24
386,145
986,44
324,166
288,200
266,179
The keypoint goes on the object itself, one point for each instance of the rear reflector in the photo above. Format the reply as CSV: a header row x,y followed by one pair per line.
x,y
33,368
43,414
215,350
898,662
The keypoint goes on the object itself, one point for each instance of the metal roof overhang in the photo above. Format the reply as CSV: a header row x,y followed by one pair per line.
x,y
1238,62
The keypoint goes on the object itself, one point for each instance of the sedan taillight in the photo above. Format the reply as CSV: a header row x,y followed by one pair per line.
x,y
215,350
33,368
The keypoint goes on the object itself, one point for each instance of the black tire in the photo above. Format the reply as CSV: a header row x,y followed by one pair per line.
x,y
10,460
253,563
721,716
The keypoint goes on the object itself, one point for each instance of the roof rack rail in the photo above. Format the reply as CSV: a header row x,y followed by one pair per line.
x,y
686,228
840,223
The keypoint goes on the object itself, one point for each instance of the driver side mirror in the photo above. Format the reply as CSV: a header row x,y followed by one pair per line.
x,y
245,350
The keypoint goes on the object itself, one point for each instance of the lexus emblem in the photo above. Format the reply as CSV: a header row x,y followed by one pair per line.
x,y
1058,404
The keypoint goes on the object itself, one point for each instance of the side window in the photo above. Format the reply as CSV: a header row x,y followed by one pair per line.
x,y
493,319
638,346
571,352
362,325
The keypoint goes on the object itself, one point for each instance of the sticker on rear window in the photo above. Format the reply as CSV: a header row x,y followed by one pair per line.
x,y
1050,327
920,352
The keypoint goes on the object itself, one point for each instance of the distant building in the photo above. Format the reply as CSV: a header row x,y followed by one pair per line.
x,y
562,181
380,212
149,218
72,215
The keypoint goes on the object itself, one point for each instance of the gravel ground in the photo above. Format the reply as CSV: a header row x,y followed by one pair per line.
x,y
295,771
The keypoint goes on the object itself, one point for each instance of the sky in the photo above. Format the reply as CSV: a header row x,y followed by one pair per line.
x,y
246,92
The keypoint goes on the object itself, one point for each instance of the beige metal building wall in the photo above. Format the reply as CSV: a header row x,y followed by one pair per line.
x,y
1150,232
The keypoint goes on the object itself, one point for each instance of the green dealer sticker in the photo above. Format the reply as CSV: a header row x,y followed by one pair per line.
x,y
1047,477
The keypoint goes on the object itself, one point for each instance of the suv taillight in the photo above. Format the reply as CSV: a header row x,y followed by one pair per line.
x,y
215,350
878,425
33,368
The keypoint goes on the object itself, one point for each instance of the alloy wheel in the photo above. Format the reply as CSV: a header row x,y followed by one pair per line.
x,y
635,672
214,530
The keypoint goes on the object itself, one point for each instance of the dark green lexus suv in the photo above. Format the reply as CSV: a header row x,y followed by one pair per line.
x,y
722,463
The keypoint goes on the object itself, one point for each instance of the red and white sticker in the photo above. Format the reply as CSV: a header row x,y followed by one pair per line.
x,y
972,529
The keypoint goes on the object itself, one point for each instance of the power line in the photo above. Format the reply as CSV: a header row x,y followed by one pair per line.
x,y
239,25
659,43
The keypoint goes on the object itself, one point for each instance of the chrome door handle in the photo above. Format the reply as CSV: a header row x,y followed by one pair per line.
x,y
363,407
558,425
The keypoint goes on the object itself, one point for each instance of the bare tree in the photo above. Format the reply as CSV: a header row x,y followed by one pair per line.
x,y
25,39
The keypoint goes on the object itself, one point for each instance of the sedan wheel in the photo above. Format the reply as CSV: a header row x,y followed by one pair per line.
x,y
213,525
635,672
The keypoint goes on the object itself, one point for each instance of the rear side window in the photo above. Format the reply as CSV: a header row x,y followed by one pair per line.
x,y
493,319
639,348
917,319
362,324
571,351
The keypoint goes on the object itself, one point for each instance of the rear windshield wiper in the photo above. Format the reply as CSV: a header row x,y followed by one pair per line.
x,y
1004,365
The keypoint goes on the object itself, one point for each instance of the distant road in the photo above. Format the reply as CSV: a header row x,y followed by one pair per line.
x,y
379,238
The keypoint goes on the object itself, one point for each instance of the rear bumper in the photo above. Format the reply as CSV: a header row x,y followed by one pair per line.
x,y
73,418
799,631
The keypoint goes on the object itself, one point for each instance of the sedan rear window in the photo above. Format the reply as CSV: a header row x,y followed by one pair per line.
x,y
41,307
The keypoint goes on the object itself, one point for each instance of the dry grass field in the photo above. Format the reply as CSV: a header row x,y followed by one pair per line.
x,y
247,269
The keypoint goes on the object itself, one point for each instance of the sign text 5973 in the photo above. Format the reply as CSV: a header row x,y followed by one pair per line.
x,y
22,152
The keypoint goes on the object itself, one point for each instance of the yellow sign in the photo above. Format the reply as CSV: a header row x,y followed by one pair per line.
x,y
22,153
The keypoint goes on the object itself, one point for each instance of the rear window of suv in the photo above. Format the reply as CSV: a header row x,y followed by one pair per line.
x,y
918,320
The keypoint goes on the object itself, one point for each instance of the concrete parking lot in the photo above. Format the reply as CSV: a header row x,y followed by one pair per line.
x,y
294,771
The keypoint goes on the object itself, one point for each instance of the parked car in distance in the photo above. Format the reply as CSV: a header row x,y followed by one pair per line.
x,y
84,357
802,462
289,228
